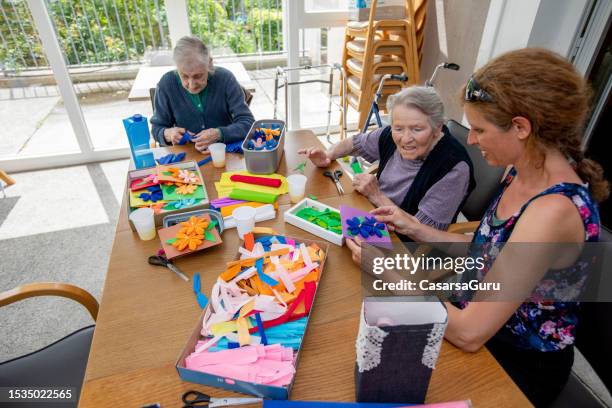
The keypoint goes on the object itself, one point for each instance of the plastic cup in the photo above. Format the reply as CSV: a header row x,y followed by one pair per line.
x,y
144,223
245,220
217,152
297,187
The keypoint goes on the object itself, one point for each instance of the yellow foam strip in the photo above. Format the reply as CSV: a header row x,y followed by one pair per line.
x,y
244,338
247,307
219,329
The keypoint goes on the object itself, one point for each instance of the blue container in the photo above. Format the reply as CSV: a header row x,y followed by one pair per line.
x,y
137,129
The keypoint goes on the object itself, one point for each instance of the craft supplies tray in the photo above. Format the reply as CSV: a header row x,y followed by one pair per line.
x,y
305,298
292,218
202,203
170,220
264,161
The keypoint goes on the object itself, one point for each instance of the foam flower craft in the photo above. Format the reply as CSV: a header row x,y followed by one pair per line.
x,y
190,241
154,195
172,171
188,176
152,178
195,225
184,203
365,226
185,189
157,207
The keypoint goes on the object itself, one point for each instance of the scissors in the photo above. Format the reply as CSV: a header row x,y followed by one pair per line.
x,y
335,176
194,399
160,260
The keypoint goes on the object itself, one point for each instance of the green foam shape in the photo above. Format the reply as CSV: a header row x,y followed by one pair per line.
x,y
171,195
249,195
171,241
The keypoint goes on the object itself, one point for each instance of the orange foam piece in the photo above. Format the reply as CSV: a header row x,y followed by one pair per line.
x,y
249,241
227,210
230,273
266,256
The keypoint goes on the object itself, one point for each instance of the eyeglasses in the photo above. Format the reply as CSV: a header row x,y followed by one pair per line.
x,y
473,92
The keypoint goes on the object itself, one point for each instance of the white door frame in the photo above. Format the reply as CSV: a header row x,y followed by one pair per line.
x,y
55,56
297,18
587,47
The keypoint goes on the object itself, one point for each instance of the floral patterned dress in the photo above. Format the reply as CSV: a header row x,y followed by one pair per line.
x,y
541,326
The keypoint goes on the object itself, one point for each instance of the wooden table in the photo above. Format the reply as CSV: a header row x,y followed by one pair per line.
x,y
147,314
148,77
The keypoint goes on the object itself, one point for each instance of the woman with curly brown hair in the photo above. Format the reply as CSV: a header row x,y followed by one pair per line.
x,y
527,110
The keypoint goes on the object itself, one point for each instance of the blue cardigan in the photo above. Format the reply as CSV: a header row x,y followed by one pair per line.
x,y
225,108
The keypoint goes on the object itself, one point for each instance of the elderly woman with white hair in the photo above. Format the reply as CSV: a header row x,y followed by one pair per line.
x,y
422,168
199,98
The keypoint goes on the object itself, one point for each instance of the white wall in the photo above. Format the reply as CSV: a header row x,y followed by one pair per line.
x,y
556,24
453,33
472,32
513,24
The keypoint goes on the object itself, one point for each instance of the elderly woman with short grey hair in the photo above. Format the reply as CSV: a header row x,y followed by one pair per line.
x,y
422,168
206,101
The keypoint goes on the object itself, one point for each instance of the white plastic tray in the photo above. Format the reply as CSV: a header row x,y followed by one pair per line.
x,y
314,229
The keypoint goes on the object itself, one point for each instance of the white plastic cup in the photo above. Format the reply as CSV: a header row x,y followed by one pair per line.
x,y
144,223
217,152
245,220
297,187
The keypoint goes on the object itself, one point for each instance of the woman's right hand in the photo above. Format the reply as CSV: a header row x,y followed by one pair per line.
x,y
174,134
397,219
317,156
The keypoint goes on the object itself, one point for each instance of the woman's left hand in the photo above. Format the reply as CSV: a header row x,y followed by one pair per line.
x,y
354,244
366,184
205,138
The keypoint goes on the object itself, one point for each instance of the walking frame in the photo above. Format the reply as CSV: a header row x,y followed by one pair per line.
x,y
281,75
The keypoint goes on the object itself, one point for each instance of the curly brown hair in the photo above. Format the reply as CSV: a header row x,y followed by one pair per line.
x,y
547,90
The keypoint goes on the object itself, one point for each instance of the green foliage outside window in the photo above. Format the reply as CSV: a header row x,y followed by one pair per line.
x,y
107,31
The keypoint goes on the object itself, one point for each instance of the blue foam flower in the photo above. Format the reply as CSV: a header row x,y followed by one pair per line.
x,y
154,195
366,228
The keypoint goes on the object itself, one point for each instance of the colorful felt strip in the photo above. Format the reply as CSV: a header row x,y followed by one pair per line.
x,y
265,278
249,195
260,181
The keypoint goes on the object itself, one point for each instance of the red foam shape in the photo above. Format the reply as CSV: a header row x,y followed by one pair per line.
x,y
260,181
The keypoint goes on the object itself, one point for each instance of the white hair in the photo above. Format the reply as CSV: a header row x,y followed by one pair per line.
x,y
423,98
189,51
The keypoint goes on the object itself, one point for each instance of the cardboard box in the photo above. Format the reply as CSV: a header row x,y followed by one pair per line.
x,y
159,217
314,229
259,390
385,10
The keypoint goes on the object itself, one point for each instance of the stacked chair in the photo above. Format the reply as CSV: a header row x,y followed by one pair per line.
x,y
378,47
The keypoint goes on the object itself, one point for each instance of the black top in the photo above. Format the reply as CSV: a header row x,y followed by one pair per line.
x,y
445,155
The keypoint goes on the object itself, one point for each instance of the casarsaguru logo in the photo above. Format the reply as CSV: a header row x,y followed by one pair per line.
x,y
426,285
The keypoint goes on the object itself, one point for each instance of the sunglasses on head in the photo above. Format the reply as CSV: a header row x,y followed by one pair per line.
x,y
473,92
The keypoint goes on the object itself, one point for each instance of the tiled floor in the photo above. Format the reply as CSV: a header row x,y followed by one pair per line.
x,y
55,225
